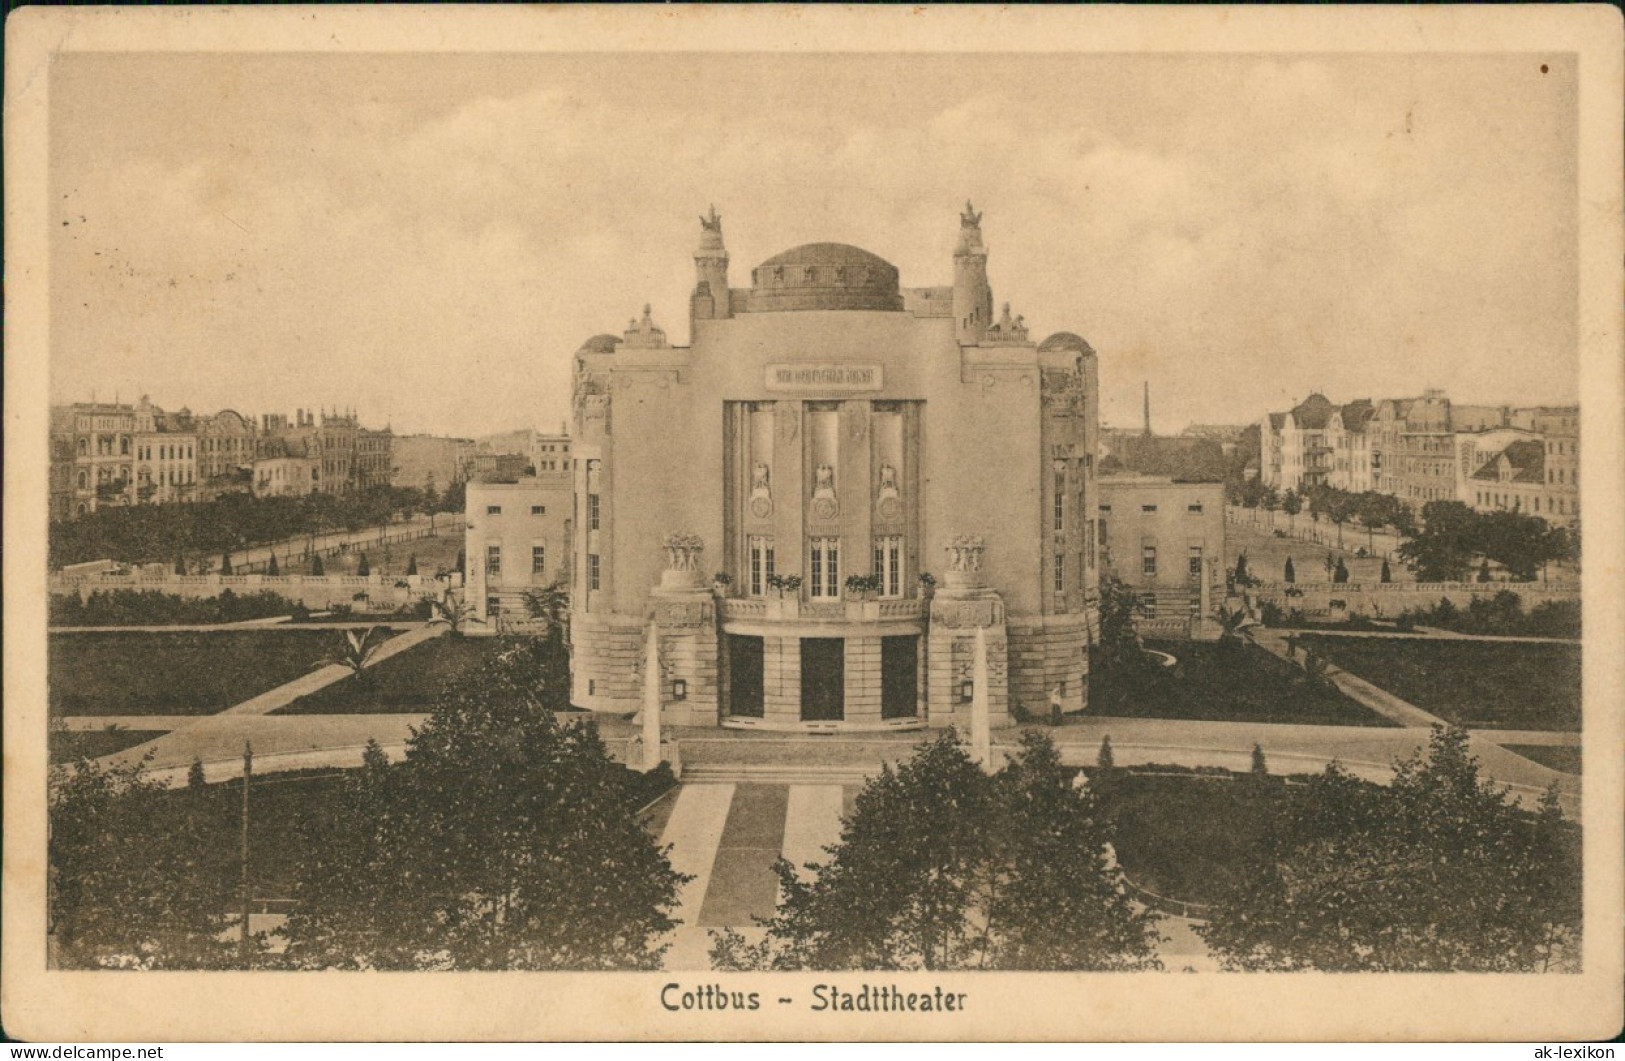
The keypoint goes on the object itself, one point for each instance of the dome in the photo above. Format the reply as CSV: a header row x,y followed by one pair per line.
x,y
601,344
1064,341
825,276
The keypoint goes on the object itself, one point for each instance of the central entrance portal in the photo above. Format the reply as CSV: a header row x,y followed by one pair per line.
x,y
823,679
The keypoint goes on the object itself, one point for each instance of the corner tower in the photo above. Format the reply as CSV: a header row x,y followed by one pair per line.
x,y
711,300
973,298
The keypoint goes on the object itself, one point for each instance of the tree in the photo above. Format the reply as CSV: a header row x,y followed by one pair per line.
x,y
943,867
316,565
1387,572
1438,871
1484,570
136,878
194,774
1291,504
1443,550
1260,767
363,568
1241,577
412,564
180,564
505,839
1119,646
225,563
1105,760
1289,573
271,568
1341,572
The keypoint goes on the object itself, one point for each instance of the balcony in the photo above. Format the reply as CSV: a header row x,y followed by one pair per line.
x,y
792,609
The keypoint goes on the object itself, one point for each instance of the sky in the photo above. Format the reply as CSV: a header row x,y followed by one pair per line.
x,y
428,238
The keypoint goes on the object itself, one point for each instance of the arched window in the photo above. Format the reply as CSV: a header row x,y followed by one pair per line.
x,y
84,447
124,447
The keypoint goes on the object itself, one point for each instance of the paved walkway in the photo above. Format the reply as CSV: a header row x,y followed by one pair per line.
x,y
283,695
1429,633
1384,703
275,623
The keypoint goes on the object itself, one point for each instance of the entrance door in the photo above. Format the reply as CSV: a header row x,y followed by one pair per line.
x,y
899,677
823,679
745,676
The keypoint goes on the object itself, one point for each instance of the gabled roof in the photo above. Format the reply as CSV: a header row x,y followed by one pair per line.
x,y
1526,457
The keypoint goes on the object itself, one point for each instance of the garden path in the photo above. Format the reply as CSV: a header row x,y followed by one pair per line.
x,y
1384,703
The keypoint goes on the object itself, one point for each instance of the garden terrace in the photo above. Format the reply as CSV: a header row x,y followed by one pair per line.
x,y
178,673
1224,682
408,682
1475,684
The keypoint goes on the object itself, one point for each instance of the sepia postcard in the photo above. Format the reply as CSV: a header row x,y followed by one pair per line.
x,y
814,523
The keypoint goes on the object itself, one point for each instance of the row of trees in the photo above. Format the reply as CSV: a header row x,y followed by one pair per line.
x,y
179,532
1371,509
1454,540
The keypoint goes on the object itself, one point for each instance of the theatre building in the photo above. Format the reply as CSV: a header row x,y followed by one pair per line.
x,y
819,508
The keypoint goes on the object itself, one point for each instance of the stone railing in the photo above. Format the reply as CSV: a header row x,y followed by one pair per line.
x,y
1388,599
758,609
313,591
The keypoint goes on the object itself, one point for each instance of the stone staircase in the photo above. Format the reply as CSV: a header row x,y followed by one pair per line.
x,y
771,774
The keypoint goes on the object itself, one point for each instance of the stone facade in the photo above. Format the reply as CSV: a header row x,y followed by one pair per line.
x,y
1165,540
867,467
516,542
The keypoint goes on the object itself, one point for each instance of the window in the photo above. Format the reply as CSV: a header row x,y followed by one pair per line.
x,y
889,565
1148,561
1060,500
1148,508
592,571
592,511
826,568
1194,509
538,559
493,560
1105,508
1196,561
761,564
1089,544
493,510
1148,605
538,510
493,606
1060,573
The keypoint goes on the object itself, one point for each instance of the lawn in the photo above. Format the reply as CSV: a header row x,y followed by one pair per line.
x,y
1187,838
408,682
1476,684
1565,759
1237,682
179,673
68,745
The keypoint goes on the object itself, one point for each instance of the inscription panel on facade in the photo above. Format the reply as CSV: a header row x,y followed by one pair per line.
x,y
824,377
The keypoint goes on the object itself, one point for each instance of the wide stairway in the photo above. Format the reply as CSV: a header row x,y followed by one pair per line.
x,y
797,760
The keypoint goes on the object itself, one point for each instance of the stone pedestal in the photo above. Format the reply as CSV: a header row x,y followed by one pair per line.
x,y
964,611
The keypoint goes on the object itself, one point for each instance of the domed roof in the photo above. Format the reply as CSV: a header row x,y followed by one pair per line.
x,y
827,254
601,344
825,276
1066,341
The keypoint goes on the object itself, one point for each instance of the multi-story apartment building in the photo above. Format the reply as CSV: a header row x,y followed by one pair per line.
x,y
1317,443
347,455
226,447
